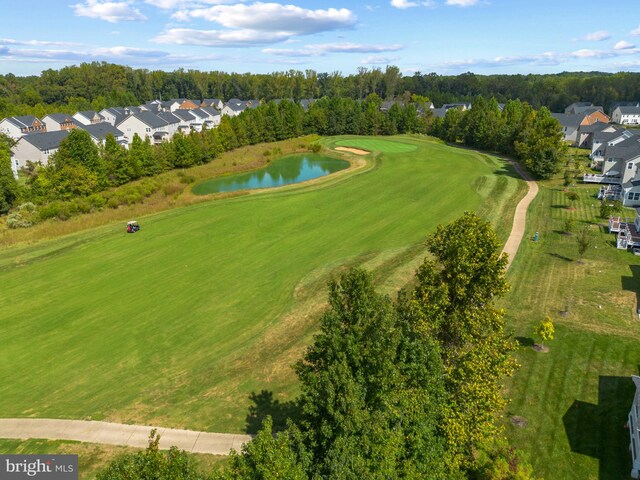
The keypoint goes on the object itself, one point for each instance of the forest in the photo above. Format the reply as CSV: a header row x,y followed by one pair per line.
x,y
99,85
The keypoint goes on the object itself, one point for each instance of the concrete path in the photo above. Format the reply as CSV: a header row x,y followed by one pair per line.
x,y
520,215
120,434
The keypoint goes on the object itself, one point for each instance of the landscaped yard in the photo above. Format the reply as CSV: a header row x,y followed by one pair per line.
x,y
575,398
178,324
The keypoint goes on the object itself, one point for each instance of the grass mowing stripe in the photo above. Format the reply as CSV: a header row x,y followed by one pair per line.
x,y
178,324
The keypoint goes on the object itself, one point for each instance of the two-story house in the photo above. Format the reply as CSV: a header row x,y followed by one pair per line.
x,y
212,102
186,121
88,117
16,127
60,121
99,132
113,115
36,147
146,125
626,115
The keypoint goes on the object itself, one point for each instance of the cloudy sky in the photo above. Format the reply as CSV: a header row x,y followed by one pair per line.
x,y
442,36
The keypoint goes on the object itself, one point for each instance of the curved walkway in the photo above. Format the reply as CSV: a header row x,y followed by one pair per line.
x,y
520,215
120,434
190,440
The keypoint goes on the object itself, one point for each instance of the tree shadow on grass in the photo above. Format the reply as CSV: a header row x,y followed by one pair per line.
x,y
561,257
599,431
632,284
559,206
525,341
263,405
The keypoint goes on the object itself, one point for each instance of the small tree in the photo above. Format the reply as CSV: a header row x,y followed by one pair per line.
x,y
584,240
545,330
572,196
567,178
569,223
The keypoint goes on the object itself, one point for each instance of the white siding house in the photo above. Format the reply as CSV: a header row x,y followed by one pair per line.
x,y
16,127
626,115
37,148
146,125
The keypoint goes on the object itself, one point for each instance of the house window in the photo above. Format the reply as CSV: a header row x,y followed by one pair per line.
x,y
633,196
629,166
46,151
147,129
610,159
17,163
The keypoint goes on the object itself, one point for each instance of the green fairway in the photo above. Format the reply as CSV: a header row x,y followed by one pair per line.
x,y
377,145
575,398
178,324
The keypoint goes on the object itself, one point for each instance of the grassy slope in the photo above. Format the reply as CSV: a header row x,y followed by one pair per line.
x,y
91,457
577,396
178,324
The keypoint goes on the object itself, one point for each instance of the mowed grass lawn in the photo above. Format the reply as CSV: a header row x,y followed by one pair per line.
x,y
575,398
178,324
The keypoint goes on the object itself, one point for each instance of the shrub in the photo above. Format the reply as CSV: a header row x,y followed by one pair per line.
x,y
315,147
569,223
188,179
172,189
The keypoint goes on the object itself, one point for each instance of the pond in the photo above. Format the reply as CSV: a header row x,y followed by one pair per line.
x,y
283,171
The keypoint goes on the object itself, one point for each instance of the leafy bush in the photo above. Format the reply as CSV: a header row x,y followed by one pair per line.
x,y
23,216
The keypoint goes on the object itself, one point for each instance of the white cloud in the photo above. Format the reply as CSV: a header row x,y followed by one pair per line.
x,y
219,38
175,4
635,32
378,60
11,41
598,36
325,48
462,3
255,24
273,17
118,54
623,45
402,4
109,11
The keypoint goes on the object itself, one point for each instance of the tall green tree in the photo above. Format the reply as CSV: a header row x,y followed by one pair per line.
x,y
118,166
540,144
454,303
8,184
78,149
371,395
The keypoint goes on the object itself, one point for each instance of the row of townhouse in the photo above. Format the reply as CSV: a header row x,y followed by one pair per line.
x,y
38,147
577,116
616,152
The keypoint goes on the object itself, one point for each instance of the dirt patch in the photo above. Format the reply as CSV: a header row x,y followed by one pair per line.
x,y
540,348
357,151
519,421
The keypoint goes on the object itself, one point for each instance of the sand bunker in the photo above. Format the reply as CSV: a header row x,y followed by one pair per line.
x,y
357,151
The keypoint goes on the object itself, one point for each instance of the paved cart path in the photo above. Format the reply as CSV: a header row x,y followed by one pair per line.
x,y
520,215
120,434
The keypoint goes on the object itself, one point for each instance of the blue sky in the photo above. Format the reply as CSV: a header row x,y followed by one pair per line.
x,y
442,36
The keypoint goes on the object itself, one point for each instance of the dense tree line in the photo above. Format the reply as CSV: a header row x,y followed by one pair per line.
x,y
99,85
532,136
404,389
